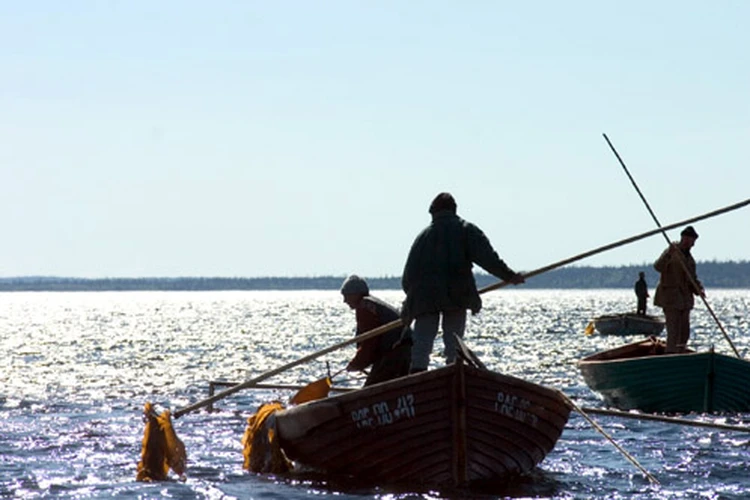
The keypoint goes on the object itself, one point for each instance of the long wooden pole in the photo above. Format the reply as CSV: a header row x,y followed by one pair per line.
x,y
396,323
680,259
288,387
669,420
609,438
620,243
270,373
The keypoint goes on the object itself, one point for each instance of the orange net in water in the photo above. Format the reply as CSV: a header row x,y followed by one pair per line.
x,y
261,447
161,448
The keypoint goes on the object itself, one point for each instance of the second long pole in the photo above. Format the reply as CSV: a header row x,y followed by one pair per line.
x,y
681,260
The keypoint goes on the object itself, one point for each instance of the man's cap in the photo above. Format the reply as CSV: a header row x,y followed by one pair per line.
x,y
443,201
354,285
689,231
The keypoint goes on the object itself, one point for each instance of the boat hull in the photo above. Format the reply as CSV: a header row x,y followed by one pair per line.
x,y
629,324
640,376
449,427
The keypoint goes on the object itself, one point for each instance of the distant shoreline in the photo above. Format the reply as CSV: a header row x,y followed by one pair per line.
x,y
712,275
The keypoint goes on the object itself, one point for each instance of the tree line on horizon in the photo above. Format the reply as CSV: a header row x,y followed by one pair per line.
x,y
712,274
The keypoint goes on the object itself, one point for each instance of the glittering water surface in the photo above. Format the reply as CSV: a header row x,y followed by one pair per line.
x,y
77,368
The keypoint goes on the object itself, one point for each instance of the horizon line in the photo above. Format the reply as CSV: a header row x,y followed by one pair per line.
x,y
479,272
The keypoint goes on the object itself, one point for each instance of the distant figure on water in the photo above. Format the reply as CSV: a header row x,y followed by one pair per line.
x,y
641,291
439,281
678,283
387,357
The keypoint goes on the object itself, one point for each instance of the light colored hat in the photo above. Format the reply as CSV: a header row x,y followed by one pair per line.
x,y
355,285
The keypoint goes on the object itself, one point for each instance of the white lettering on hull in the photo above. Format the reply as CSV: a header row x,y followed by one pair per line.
x,y
516,408
380,414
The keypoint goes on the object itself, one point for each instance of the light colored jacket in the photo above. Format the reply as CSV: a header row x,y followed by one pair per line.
x,y
675,290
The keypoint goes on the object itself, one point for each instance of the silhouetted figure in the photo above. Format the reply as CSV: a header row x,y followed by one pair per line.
x,y
677,286
641,291
439,282
386,356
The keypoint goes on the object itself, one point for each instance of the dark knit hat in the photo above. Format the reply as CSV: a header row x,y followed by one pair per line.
x,y
443,201
354,285
689,231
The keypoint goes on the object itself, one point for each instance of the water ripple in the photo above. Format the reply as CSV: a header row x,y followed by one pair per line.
x,y
78,368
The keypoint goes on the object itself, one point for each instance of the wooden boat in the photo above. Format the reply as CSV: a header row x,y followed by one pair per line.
x,y
641,376
629,324
454,426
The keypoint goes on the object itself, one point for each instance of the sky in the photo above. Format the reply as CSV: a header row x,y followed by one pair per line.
x,y
295,138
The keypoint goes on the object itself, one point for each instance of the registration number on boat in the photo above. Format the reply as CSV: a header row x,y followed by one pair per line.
x,y
381,413
516,408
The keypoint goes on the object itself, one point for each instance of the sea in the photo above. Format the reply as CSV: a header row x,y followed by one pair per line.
x,y
77,368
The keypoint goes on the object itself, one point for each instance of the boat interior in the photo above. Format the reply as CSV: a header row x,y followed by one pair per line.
x,y
651,346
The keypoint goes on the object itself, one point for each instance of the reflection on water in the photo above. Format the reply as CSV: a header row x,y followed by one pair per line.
x,y
78,367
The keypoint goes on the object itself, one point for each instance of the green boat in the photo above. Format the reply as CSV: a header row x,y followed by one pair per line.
x,y
640,376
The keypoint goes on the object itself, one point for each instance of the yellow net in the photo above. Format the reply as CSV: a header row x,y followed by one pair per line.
x,y
261,447
161,448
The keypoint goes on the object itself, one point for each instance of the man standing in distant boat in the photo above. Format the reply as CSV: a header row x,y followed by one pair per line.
x,y
677,286
641,291
439,281
388,357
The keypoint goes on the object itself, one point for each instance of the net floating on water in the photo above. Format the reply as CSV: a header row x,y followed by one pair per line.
x,y
161,449
260,444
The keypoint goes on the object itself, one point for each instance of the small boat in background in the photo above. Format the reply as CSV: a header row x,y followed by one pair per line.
x,y
627,324
640,376
455,426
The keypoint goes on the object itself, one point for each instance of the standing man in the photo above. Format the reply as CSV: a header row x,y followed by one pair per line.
x,y
677,285
439,281
388,357
641,291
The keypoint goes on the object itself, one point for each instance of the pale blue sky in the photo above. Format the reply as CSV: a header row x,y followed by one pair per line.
x,y
242,138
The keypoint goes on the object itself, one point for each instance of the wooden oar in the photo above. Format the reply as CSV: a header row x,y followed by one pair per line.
x,y
287,387
680,259
609,438
396,323
222,383
669,420
270,373
621,243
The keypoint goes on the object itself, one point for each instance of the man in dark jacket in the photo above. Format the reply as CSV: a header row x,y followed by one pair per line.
x,y
438,279
678,283
641,292
387,358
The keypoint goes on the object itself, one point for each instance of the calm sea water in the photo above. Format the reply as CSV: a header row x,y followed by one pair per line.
x,y
76,369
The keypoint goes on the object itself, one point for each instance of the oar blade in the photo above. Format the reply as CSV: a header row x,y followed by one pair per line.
x,y
313,391
589,328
